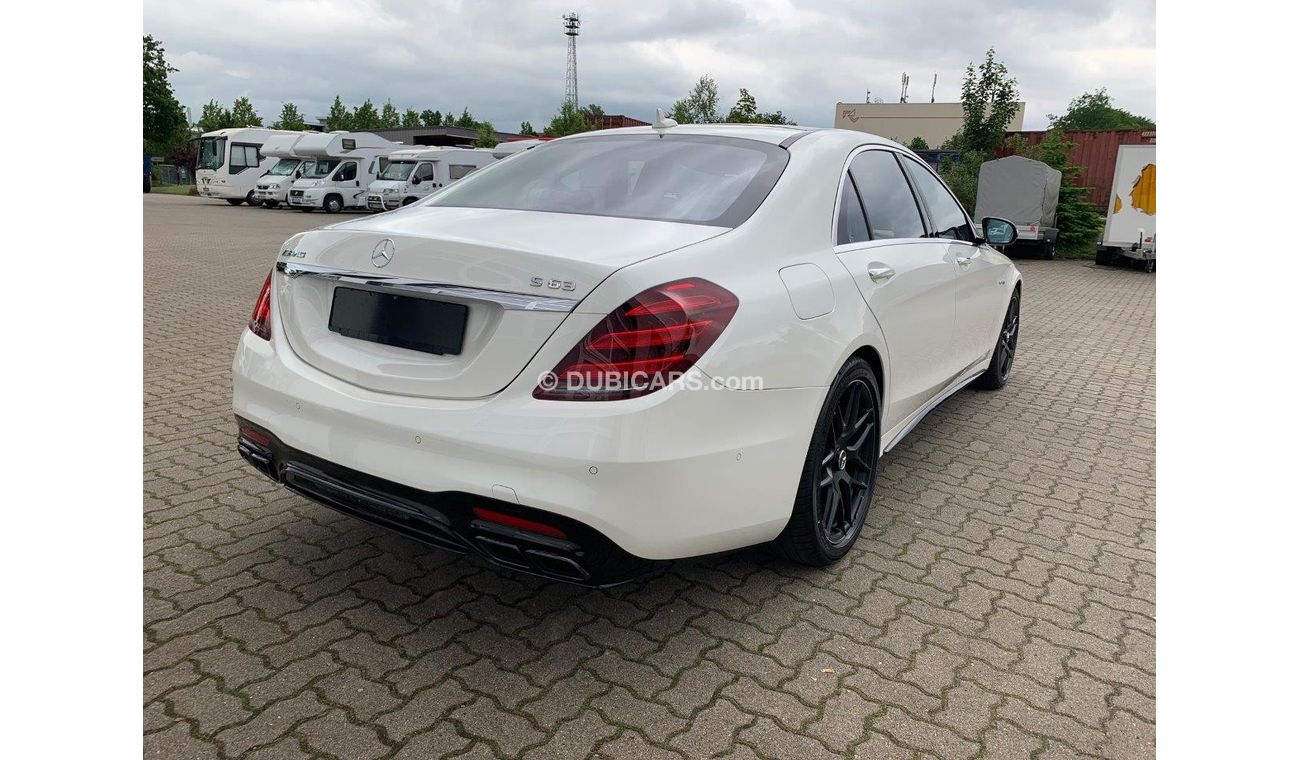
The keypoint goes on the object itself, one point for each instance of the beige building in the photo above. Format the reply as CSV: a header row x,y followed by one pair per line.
x,y
934,122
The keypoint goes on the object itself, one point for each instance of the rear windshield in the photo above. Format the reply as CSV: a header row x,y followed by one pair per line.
x,y
696,179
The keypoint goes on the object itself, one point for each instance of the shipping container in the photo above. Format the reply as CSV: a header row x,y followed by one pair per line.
x,y
1094,153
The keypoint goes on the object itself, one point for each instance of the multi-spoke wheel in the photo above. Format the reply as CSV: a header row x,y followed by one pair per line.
x,y
1004,354
839,473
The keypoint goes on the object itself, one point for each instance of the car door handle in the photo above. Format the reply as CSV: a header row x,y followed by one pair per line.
x,y
880,274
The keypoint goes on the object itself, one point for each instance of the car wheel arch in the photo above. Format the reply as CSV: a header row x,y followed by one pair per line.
x,y
875,360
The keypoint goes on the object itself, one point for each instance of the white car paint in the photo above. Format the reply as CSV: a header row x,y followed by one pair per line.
x,y
677,472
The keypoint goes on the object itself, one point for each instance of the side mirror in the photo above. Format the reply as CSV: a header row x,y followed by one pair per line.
x,y
415,180
998,231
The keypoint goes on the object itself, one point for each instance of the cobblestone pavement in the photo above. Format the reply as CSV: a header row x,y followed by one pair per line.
x,y
1000,604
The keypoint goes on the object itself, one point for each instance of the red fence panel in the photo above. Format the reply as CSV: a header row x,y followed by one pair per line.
x,y
1094,153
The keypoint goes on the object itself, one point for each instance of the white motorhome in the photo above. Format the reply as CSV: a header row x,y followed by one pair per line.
x,y
413,173
511,147
231,161
344,165
1131,210
272,187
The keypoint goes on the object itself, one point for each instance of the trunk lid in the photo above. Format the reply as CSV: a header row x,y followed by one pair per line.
x,y
500,251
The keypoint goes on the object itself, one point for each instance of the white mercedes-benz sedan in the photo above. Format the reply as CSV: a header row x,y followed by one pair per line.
x,y
628,346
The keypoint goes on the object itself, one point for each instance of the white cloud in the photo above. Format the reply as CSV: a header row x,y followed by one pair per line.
x,y
506,61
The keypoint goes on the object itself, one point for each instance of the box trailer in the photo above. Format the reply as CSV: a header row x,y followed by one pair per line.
x,y
1025,192
1130,232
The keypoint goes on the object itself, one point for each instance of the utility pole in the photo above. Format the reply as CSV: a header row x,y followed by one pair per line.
x,y
571,24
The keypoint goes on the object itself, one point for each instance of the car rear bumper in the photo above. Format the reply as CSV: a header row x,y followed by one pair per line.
x,y
674,474
570,551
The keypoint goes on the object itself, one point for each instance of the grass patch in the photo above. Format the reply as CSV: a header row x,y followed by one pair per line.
x,y
176,189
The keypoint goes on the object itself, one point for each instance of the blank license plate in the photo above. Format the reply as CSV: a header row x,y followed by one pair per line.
x,y
435,327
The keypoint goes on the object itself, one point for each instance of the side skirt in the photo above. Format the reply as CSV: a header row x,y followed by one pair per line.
x,y
963,379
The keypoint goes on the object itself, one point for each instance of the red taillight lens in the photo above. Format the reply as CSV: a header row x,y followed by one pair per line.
x,y
644,344
260,322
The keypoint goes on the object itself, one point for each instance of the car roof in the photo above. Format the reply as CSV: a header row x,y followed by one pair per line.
x,y
776,134
771,133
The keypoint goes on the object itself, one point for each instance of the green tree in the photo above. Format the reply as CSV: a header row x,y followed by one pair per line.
x,y
214,117
988,101
569,121
431,118
466,120
700,106
366,116
526,128
487,136
1093,110
164,118
746,112
338,116
390,117
290,118
410,118
918,143
243,115
1078,222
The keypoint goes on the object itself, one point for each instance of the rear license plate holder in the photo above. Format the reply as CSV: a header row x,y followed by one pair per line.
x,y
418,324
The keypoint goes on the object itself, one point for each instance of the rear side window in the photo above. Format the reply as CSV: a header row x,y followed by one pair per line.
x,y
458,171
697,179
852,226
946,215
891,208
243,157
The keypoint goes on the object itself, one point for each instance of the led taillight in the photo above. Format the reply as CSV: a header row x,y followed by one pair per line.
x,y
643,345
260,322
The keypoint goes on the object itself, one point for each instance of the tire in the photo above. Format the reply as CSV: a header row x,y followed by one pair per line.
x,y
840,470
148,184
1047,250
234,201
333,204
270,204
408,201
1004,353
1103,256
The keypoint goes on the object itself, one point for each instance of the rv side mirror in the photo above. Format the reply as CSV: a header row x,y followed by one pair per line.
x,y
415,180
998,231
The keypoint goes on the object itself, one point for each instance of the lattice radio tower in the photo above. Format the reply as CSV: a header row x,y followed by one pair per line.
x,y
571,24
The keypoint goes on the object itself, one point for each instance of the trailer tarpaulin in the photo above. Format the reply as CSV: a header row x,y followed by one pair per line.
x,y
1018,189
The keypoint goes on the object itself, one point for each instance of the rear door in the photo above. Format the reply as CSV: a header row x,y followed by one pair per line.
x,y
906,278
978,297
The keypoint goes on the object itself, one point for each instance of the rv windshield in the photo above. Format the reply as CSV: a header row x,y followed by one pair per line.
x,y
696,179
321,168
285,167
399,170
212,152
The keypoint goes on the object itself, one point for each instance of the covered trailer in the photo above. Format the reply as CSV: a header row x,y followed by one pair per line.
x,y
1025,192
1131,213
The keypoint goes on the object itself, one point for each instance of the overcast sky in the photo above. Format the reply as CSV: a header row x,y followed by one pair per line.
x,y
506,61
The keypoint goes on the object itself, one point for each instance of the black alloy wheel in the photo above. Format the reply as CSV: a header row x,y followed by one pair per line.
x,y
847,471
839,473
1004,354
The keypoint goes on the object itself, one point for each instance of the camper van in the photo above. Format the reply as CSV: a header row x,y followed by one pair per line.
x,y
344,165
272,188
231,161
413,173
